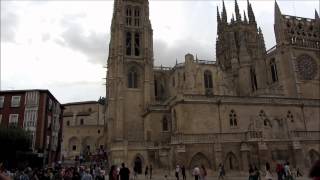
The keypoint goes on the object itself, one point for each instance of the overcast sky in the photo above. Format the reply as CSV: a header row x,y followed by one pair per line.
x,y
63,45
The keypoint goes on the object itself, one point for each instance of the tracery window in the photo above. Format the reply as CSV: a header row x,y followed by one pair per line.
x,y
128,43
274,72
136,44
233,118
263,116
290,116
208,80
128,16
137,17
133,78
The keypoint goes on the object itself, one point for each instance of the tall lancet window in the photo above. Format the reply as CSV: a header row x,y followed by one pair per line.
x,y
133,78
254,84
208,80
128,43
274,72
137,44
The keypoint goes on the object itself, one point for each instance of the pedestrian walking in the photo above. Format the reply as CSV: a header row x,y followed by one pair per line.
x,y
177,172
146,172
196,173
299,174
87,175
287,171
268,173
203,173
183,171
221,171
256,173
124,172
113,173
251,172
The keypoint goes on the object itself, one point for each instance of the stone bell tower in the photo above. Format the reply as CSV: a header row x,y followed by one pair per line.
x,y
129,76
240,52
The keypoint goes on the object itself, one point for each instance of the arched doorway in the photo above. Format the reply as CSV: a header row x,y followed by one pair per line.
x,y
199,159
314,156
137,164
231,162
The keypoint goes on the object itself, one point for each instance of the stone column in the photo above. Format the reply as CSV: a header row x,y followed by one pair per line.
x,y
218,154
264,155
245,150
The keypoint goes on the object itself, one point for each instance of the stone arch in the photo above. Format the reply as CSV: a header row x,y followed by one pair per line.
x,y
137,163
231,162
199,159
74,144
313,156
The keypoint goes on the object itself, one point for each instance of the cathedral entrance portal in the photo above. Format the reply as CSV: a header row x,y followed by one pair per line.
x,y
137,165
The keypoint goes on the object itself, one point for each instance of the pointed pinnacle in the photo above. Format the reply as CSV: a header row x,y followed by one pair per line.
x,y
245,17
224,12
316,15
238,16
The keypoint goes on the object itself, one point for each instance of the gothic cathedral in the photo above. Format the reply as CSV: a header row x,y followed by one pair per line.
x,y
250,106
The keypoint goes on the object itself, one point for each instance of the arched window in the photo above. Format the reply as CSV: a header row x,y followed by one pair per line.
x,y
254,84
165,124
290,116
274,72
233,118
207,80
263,116
81,121
133,78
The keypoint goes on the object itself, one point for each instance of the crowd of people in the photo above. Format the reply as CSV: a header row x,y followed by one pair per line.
x,y
96,172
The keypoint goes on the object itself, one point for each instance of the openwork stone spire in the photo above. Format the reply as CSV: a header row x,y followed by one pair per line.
x,y
224,13
252,19
237,11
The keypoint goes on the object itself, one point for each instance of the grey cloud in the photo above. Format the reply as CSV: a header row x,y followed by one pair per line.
x,y
167,54
9,23
93,45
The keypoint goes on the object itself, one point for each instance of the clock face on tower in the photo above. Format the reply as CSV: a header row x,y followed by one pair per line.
x,y
307,67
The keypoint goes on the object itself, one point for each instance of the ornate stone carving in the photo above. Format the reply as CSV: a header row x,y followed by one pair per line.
x,y
307,67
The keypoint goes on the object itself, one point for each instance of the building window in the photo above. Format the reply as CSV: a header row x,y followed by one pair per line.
x,y
254,84
13,120
207,80
15,101
290,116
81,121
137,44
133,78
136,17
274,72
233,118
98,131
263,117
1,101
74,147
68,123
165,124
128,16
128,43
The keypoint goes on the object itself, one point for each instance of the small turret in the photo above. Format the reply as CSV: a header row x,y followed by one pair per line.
x,y
218,20
252,19
224,13
237,11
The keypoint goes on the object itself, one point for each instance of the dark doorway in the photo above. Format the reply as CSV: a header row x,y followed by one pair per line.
x,y
138,165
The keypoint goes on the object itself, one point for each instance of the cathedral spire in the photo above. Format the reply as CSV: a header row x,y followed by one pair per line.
x,y
245,17
238,16
252,19
316,15
261,39
232,19
277,11
218,20
224,13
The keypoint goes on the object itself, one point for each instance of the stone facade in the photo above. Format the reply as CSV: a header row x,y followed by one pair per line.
x,y
250,106
83,129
